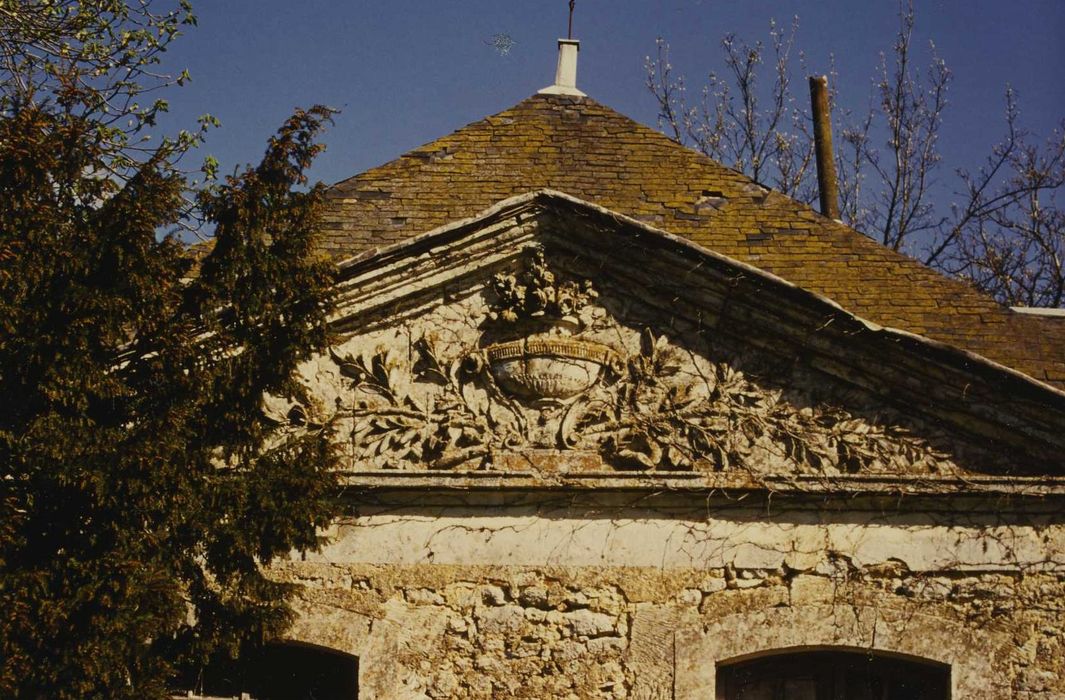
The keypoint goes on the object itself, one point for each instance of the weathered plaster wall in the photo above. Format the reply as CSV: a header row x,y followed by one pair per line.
x,y
746,539
586,462
506,602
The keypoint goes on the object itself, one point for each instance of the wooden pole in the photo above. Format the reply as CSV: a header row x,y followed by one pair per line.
x,y
826,163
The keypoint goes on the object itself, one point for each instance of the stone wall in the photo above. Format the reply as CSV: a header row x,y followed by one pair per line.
x,y
586,459
536,605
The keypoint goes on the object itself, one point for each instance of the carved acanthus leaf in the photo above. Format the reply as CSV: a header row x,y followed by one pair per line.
x,y
528,374
664,413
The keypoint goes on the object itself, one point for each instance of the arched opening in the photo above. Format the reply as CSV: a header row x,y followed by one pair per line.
x,y
832,674
282,671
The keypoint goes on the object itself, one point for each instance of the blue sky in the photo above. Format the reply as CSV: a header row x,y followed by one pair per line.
x,y
404,72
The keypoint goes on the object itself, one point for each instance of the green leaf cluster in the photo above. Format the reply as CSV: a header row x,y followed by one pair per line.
x,y
94,59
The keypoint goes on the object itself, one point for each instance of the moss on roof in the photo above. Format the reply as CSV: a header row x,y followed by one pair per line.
x,y
583,148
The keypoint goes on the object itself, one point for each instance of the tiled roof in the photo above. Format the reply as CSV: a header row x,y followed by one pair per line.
x,y
580,147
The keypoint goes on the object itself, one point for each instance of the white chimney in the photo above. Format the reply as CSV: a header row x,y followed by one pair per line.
x,y
566,73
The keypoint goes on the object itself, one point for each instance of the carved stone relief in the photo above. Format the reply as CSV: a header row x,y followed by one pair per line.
x,y
534,361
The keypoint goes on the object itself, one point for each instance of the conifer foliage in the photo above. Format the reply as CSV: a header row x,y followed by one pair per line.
x,y
141,488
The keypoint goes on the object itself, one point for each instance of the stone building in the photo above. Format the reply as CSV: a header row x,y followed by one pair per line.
x,y
620,422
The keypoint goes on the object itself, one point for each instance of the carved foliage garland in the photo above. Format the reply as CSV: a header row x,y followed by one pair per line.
x,y
547,368
662,417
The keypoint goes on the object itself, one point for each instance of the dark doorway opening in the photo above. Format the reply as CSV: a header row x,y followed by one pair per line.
x,y
283,672
832,675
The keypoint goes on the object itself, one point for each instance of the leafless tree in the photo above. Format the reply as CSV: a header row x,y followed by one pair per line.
x,y
904,169
771,142
1009,239
1004,232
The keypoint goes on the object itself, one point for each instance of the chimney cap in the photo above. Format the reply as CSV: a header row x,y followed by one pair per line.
x,y
566,70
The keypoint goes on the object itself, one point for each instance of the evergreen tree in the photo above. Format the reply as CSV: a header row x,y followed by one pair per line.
x,y
142,491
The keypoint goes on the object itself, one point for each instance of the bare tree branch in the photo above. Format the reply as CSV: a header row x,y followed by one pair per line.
x,y
1003,233
756,129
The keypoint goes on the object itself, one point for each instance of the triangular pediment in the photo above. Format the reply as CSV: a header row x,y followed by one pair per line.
x,y
587,150
552,338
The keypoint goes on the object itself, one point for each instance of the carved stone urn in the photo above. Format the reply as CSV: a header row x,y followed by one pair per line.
x,y
531,351
546,367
